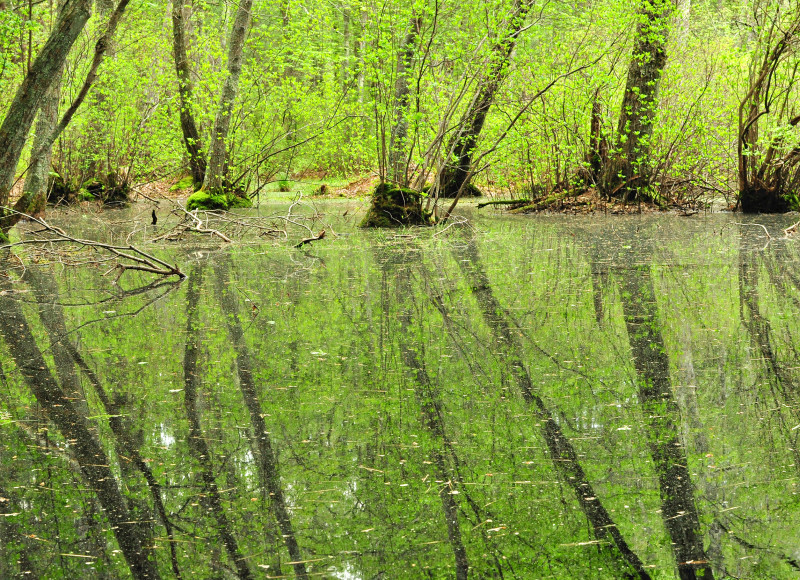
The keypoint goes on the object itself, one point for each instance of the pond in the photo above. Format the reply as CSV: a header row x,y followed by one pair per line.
x,y
547,397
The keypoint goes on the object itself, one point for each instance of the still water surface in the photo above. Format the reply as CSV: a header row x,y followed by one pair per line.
x,y
546,397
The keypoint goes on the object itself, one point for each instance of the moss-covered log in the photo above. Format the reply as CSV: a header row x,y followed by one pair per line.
x,y
217,200
394,206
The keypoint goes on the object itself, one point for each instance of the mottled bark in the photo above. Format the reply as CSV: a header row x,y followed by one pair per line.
x,y
267,460
659,411
627,173
191,135
34,194
217,158
29,96
563,455
398,158
197,441
75,428
43,143
453,177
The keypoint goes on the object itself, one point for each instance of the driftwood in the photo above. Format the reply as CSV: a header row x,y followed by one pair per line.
x,y
305,241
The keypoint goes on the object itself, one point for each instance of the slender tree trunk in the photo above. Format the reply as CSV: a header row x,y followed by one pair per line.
x,y
43,143
42,75
191,135
397,142
74,427
217,160
454,177
268,462
627,174
659,408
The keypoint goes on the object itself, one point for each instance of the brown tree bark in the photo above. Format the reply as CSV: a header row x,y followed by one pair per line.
x,y
191,135
29,96
627,173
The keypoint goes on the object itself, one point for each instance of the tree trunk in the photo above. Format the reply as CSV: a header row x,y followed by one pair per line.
x,y
34,194
397,144
627,174
217,160
42,75
453,178
191,135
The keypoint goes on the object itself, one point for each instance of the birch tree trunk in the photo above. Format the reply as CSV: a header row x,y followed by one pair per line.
x,y
191,136
627,175
217,160
29,97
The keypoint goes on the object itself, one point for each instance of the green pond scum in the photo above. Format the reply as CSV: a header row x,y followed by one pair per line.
x,y
546,397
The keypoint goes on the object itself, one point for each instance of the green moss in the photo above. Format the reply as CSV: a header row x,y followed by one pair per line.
x,y
237,201
4,239
394,206
85,195
184,183
207,201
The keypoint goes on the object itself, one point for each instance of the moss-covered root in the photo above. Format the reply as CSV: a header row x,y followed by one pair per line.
x,y
394,206
205,200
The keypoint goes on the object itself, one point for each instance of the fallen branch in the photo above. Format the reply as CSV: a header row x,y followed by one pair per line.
x,y
305,241
134,258
523,201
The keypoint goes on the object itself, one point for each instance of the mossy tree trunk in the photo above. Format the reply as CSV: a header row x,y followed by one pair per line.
x,y
453,178
398,157
217,159
627,174
42,74
191,135
34,194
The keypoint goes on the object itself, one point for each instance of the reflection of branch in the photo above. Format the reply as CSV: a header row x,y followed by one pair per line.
x,y
745,544
137,259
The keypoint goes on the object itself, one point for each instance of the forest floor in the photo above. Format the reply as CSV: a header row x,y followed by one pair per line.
x,y
359,187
